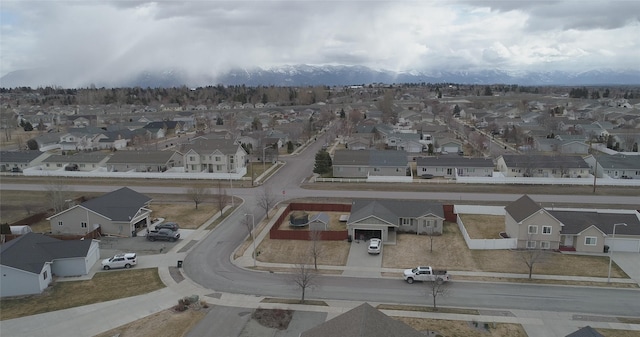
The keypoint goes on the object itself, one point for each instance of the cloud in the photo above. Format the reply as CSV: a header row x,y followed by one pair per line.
x,y
93,40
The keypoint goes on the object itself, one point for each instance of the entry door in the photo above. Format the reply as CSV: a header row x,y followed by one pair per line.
x,y
449,171
568,241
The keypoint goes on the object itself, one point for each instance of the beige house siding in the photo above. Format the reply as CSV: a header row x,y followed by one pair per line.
x,y
422,225
510,226
538,221
592,232
70,222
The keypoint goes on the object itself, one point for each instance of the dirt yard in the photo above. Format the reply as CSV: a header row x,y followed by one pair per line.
x,y
451,328
334,222
333,253
167,323
481,226
184,213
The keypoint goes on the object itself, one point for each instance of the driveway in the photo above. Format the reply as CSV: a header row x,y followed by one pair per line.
x,y
629,262
362,264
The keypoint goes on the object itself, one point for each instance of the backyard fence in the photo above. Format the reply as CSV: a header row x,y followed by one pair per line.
x,y
483,244
277,234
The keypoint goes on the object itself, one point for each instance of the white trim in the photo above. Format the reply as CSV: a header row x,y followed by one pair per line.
x,y
550,230
595,240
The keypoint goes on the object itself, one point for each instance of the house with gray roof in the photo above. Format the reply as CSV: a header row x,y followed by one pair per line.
x,y
544,144
118,213
453,165
532,225
143,161
364,163
82,161
590,230
378,218
213,156
530,165
29,262
617,166
20,160
362,321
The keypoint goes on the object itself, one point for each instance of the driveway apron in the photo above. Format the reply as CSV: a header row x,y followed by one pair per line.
x,y
629,262
362,264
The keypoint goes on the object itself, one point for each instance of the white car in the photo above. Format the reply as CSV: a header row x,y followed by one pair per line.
x,y
374,246
126,260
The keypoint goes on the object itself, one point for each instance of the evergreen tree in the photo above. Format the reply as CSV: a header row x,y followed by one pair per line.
x,y
323,162
487,91
289,147
342,114
219,121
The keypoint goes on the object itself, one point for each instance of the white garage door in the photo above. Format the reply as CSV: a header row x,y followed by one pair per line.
x,y
623,245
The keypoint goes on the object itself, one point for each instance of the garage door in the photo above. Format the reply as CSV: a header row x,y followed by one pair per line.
x,y
623,245
366,234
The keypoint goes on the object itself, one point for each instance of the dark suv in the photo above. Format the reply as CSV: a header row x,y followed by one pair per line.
x,y
170,225
163,234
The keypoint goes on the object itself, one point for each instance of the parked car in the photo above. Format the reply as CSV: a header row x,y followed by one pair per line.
x,y
426,274
71,167
163,234
16,170
126,260
170,225
374,246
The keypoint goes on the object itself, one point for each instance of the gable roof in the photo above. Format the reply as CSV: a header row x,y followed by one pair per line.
x,y
130,157
362,321
29,252
619,161
587,331
540,161
119,205
456,161
577,221
522,208
370,157
19,156
204,145
390,210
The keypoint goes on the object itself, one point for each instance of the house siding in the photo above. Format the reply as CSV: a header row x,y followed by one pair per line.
x,y
579,241
17,282
540,219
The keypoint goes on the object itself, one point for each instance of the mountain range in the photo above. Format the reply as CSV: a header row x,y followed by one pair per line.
x,y
307,75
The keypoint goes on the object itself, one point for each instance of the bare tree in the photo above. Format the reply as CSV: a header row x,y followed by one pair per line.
x,y
303,277
223,197
437,288
533,255
266,199
198,194
316,249
58,192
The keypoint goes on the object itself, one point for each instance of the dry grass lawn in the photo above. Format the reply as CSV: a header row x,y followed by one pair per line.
x,y
482,226
184,213
334,253
167,323
334,222
451,252
450,328
617,333
103,287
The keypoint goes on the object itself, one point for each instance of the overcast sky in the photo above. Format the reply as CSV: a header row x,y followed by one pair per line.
x,y
110,39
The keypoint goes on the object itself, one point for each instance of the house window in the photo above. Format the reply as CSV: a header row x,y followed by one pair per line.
x,y
406,221
217,158
82,165
59,223
424,169
192,158
83,224
376,169
545,245
590,241
59,165
531,244
193,167
45,275
546,229
533,229
218,167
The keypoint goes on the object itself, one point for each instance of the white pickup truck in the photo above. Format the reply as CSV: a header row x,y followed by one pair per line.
x,y
425,274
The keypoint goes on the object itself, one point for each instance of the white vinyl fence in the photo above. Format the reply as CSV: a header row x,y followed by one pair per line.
x,y
483,244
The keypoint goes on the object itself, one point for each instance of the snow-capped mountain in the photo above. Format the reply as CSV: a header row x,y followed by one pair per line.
x,y
303,75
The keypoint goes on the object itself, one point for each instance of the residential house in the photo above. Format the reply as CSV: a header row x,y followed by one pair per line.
x,y
164,128
362,321
590,230
453,165
556,145
82,161
20,160
371,218
214,156
80,121
363,163
586,331
532,225
360,141
187,119
29,262
449,146
48,141
120,213
143,161
615,166
542,166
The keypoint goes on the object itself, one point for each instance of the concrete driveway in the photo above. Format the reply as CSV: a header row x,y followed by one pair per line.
x,y
629,262
362,264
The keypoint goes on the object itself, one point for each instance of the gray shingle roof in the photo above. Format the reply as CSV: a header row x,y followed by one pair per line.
x,y
587,331
576,221
31,251
91,157
522,208
130,157
119,205
370,158
454,161
540,161
18,156
391,210
203,145
362,321
619,162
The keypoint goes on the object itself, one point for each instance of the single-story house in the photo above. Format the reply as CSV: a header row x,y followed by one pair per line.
x,y
450,166
362,321
20,160
363,163
120,213
615,166
28,262
143,161
525,165
80,161
375,218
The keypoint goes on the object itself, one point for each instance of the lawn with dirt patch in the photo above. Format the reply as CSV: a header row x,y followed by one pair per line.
x,y
103,287
167,323
184,213
334,253
450,328
482,226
